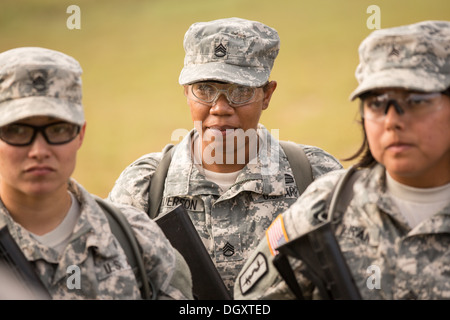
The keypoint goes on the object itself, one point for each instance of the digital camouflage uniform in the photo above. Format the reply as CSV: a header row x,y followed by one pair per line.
x,y
232,223
104,270
413,263
372,234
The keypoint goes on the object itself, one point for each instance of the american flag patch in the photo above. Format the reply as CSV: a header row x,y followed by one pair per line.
x,y
276,235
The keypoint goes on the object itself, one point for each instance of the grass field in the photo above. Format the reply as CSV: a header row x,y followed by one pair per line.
x,y
131,53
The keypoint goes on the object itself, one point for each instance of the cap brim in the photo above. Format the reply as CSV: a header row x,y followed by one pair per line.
x,y
246,76
405,79
17,109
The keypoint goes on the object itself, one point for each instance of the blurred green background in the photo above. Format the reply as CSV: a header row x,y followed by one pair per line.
x,y
132,53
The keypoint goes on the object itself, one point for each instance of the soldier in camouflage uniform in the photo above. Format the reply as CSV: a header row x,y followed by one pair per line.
x,y
395,233
230,201
57,224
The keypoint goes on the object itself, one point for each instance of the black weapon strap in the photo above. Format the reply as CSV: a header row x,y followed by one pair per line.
x,y
337,203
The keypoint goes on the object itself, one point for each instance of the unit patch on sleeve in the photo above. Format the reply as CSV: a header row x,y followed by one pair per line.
x,y
253,273
276,235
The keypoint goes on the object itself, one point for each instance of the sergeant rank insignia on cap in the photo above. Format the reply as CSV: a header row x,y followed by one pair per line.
x,y
394,52
39,81
220,51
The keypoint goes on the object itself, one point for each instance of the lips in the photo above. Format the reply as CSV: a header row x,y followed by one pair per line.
x,y
224,130
39,170
398,147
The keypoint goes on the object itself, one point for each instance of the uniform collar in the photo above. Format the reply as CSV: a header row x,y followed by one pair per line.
x,y
438,223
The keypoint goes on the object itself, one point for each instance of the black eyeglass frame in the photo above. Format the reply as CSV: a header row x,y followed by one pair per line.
x,y
41,129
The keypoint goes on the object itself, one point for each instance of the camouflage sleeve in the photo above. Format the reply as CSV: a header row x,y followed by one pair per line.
x,y
259,279
131,187
321,161
166,268
311,206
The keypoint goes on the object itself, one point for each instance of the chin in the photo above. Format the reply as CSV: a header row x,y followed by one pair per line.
x,y
41,189
401,167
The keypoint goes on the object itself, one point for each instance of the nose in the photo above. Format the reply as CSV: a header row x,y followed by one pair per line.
x,y
393,117
395,105
221,105
39,147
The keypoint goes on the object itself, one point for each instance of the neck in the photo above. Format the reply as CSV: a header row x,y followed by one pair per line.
x,y
223,168
38,214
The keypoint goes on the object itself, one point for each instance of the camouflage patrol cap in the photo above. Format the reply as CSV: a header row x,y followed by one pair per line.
x,y
39,82
232,50
412,57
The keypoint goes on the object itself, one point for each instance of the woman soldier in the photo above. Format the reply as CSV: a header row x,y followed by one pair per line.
x,y
395,232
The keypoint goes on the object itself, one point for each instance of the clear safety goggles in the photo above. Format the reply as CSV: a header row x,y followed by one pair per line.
x,y
237,95
412,105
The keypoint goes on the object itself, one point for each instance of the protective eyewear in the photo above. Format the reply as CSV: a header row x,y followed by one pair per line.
x,y
412,105
236,94
20,134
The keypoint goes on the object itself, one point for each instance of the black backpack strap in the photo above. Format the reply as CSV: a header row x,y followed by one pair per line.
x,y
299,163
156,187
122,231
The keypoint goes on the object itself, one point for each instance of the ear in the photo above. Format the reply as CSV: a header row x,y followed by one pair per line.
x,y
81,135
186,87
270,88
186,93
